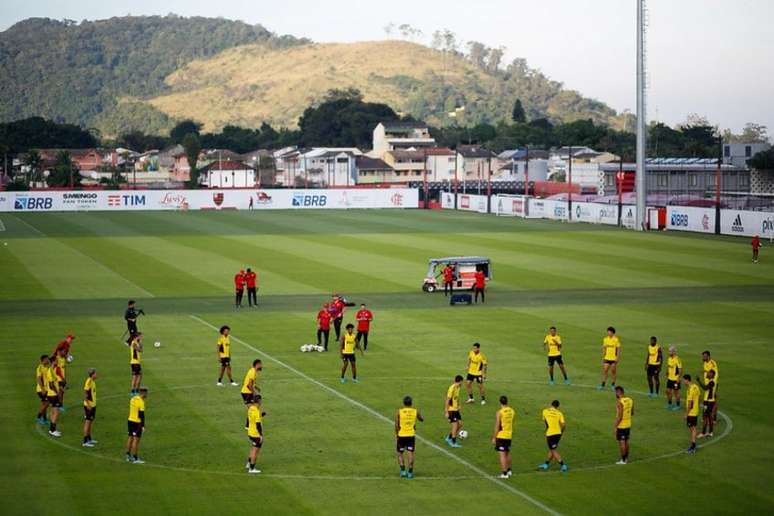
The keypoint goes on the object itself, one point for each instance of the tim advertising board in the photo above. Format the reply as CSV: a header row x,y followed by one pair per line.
x,y
684,218
746,223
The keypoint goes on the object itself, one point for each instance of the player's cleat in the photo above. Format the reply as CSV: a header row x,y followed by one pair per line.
x,y
128,458
600,387
470,400
612,386
355,380
455,445
87,444
410,474
448,440
550,382
40,421
403,473
483,402
343,380
691,450
564,468
700,436
93,442
567,381
55,433
543,467
253,471
710,435
138,460
510,473
503,475
219,384
234,383
621,462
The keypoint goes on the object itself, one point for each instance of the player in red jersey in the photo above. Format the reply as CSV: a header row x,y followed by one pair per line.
x,y
251,279
756,245
323,325
448,279
337,311
480,285
364,318
64,346
239,286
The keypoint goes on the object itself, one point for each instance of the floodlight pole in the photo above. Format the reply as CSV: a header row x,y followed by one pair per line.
x,y
640,180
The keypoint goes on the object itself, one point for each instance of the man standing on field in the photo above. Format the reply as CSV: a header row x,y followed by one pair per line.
x,y
364,318
254,431
653,360
691,410
41,375
136,425
135,362
251,279
479,286
323,325
477,366
224,355
555,425
451,409
239,286
552,343
624,410
448,280
406,430
611,354
89,407
756,245
337,312
349,344
674,368
503,434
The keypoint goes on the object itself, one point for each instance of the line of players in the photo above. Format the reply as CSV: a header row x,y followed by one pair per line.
x,y
51,384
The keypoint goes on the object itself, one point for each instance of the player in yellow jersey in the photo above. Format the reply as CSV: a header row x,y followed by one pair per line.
x,y
89,407
59,364
136,426
477,366
624,410
224,355
611,354
552,343
653,360
40,388
250,383
451,409
254,432
708,420
674,368
135,362
54,401
708,364
503,433
349,344
692,396
405,431
555,427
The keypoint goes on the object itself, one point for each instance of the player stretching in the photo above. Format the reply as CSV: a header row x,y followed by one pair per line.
x,y
708,421
239,287
653,360
555,426
136,425
477,366
250,383
503,433
756,246
364,318
674,368
348,345
224,355
89,407
41,373
611,354
552,343
451,409
52,393
323,325
406,430
254,431
708,364
691,409
624,410
135,362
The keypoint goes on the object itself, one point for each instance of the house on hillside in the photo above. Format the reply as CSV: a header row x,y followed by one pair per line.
x,y
227,174
328,166
174,161
400,135
373,170
440,163
408,165
512,165
474,162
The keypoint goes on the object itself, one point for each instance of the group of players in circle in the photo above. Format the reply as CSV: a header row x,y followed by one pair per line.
x,y
51,383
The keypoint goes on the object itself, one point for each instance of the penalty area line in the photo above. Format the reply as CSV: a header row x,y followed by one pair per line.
x,y
369,410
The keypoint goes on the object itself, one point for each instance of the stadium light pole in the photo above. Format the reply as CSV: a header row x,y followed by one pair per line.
x,y
526,172
640,179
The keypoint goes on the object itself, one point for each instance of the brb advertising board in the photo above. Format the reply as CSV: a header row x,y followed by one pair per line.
x,y
595,213
685,218
747,223
547,209
226,199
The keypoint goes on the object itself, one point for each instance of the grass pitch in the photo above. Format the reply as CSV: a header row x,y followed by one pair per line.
x,y
329,447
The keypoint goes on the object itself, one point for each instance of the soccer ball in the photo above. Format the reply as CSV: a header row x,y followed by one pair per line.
x,y
305,348
157,344
69,358
463,434
319,349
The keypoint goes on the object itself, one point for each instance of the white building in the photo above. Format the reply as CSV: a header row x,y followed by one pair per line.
x,y
228,174
737,154
390,136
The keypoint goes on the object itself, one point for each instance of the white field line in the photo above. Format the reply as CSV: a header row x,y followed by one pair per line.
x,y
2,226
369,410
77,251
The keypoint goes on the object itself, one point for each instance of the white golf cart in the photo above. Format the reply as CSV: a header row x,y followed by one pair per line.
x,y
465,268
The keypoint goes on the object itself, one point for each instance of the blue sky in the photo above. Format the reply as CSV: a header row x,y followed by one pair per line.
x,y
711,57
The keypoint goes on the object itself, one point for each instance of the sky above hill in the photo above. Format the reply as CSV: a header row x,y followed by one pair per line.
x,y
710,57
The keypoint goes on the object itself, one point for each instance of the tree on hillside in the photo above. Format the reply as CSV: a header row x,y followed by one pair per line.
x,y
751,133
33,162
763,160
64,173
477,53
140,142
518,115
192,149
183,129
494,60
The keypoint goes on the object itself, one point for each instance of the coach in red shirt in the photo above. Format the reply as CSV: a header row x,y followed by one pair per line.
x,y
323,325
239,285
448,280
251,278
756,245
337,311
480,285
364,318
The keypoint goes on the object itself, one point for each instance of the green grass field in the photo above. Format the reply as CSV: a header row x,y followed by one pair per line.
x,y
329,447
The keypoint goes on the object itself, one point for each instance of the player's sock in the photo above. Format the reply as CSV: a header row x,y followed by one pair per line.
x,y
411,470
454,440
603,384
483,398
561,463
52,427
551,377
134,457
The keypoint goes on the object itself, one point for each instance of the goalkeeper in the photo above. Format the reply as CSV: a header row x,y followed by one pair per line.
x,y
130,316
